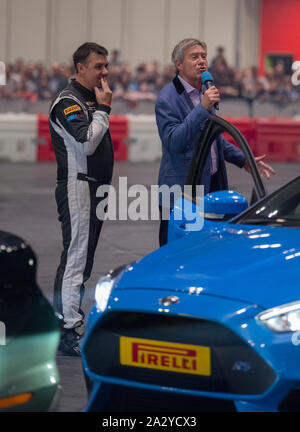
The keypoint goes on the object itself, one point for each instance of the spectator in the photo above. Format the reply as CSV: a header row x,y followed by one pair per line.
x,y
249,84
152,73
279,73
219,58
223,78
58,80
30,83
14,80
114,60
223,75
43,87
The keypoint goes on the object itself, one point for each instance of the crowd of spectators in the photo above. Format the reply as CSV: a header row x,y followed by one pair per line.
x,y
33,81
274,86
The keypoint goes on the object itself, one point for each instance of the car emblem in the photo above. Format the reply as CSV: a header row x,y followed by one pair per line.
x,y
170,300
242,366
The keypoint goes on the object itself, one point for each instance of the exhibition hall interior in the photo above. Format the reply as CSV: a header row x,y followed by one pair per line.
x,y
149,208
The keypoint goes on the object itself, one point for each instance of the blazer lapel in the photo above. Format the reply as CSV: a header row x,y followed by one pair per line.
x,y
182,93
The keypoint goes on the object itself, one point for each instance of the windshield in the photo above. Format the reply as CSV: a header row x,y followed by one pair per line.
x,y
281,208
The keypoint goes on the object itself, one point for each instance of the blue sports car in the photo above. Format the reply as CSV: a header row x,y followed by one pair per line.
x,y
211,321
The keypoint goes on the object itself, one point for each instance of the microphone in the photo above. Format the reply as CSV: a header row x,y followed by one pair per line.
x,y
207,79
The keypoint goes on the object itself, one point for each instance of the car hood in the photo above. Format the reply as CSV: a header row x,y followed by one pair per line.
x,y
253,264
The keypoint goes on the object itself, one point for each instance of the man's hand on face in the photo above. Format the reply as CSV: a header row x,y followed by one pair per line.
x,y
210,97
105,96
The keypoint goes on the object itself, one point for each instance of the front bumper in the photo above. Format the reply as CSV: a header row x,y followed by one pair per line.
x,y
251,366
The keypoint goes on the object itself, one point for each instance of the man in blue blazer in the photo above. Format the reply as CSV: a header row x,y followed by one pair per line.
x,y
182,108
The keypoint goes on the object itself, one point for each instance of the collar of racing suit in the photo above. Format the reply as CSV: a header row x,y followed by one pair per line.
x,y
86,93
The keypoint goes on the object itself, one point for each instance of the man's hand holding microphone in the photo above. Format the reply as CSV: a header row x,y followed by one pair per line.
x,y
211,96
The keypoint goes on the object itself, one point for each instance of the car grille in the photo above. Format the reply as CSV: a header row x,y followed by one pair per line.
x,y
129,399
235,366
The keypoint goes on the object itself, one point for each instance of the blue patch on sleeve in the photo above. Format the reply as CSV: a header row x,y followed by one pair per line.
x,y
72,117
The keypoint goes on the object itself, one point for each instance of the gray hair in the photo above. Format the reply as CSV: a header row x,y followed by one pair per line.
x,y
180,48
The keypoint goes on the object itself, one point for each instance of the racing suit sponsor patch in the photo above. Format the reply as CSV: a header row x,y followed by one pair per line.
x,y
74,116
72,109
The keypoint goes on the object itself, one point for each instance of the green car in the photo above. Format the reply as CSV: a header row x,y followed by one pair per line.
x,y
29,332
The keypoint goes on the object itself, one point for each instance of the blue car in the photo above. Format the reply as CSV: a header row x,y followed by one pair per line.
x,y
211,321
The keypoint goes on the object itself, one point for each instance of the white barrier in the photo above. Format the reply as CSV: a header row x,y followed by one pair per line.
x,y
143,143
18,138
18,134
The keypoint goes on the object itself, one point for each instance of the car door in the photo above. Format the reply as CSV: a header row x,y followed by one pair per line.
x,y
193,214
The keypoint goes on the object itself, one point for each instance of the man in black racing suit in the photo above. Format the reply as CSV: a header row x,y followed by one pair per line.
x,y
79,126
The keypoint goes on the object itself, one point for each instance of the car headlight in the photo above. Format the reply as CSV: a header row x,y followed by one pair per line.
x,y
284,318
103,290
105,286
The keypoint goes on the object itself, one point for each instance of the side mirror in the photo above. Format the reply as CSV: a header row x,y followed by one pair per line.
x,y
223,205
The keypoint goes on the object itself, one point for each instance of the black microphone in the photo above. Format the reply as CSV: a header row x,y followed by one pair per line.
x,y
207,79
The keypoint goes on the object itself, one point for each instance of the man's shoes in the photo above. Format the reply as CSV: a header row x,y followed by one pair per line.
x,y
69,343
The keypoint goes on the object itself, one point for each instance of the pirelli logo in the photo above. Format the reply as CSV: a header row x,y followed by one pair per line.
x,y
168,356
72,109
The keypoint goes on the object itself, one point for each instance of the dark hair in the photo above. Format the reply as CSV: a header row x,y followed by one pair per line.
x,y
82,53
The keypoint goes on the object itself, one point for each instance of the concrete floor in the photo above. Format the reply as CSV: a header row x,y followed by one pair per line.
x,y
28,209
